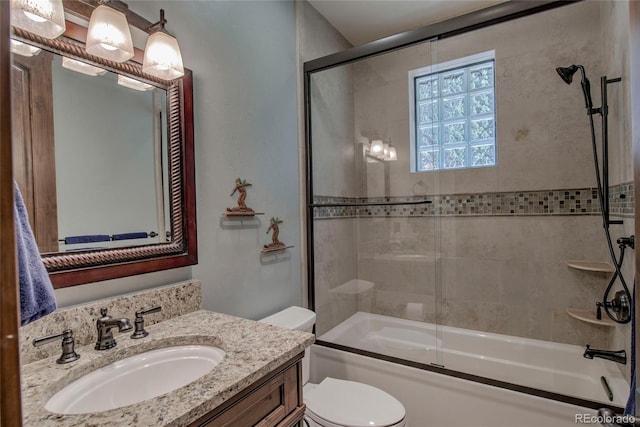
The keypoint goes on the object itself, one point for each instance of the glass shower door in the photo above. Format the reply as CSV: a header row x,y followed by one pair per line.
x,y
375,235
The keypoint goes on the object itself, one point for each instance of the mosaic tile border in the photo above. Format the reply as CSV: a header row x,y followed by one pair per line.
x,y
581,201
621,200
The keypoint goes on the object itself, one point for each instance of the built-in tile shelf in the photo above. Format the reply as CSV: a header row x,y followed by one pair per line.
x,y
589,316
600,267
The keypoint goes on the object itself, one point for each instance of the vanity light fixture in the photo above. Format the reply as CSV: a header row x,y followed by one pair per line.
x,y
378,150
133,83
24,49
393,154
377,147
81,67
108,35
162,56
42,17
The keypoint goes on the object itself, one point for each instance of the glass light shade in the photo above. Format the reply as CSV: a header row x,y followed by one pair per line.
x,y
393,154
23,48
386,152
81,67
162,57
42,17
133,83
377,147
108,35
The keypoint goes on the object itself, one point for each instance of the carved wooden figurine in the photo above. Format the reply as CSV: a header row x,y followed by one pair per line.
x,y
242,208
275,244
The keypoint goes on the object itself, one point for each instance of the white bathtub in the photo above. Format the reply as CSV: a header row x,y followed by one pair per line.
x,y
558,368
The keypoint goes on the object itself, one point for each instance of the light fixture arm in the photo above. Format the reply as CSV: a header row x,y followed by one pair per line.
x,y
83,9
158,26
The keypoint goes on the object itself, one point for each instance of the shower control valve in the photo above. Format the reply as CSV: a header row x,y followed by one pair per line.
x,y
627,241
599,310
620,305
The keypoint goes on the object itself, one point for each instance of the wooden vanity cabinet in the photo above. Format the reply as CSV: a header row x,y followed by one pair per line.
x,y
274,400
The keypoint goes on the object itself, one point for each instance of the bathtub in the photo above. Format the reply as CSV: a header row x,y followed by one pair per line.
x,y
541,365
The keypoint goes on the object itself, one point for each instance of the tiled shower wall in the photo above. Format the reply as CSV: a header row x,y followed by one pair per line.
x,y
497,273
507,276
490,252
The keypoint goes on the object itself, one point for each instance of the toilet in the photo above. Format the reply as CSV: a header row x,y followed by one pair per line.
x,y
334,402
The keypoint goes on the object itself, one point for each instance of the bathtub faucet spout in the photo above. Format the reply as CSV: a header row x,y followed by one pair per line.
x,y
614,356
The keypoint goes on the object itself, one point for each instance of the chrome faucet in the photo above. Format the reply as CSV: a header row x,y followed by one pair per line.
x,y
614,356
105,324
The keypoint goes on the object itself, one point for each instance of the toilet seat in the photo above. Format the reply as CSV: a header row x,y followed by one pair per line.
x,y
340,403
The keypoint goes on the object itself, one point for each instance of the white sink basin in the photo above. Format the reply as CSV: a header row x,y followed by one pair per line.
x,y
135,379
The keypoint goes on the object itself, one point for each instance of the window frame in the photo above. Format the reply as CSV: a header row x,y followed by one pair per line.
x,y
438,69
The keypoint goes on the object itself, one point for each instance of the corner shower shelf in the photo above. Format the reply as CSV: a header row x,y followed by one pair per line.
x,y
589,316
600,267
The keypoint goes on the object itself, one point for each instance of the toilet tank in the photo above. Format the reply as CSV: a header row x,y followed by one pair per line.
x,y
296,318
299,319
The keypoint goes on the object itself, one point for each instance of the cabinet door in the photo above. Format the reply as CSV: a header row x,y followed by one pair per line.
x,y
34,165
275,400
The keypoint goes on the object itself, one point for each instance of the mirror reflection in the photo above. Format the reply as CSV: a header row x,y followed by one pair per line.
x,y
106,163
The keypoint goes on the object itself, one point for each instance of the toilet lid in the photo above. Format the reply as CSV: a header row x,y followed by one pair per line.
x,y
353,404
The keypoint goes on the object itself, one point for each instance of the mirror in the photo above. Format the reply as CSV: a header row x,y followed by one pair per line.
x,y
106,170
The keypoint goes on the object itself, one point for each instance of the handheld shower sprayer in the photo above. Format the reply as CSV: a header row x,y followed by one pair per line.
x,y
619,308
566,74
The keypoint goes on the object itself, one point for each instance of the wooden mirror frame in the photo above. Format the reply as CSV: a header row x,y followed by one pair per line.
x,y
75,268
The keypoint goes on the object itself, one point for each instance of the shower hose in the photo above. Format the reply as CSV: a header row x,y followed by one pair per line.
x,y
617,261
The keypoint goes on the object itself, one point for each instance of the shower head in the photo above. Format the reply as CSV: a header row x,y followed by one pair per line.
x,y
566,73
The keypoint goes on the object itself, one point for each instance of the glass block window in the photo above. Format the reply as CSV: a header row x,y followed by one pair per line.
x,y
453,121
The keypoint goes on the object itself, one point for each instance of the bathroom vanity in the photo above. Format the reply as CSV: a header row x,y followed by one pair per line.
x,y
257,382
275,400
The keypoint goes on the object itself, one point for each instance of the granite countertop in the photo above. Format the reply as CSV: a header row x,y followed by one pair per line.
x,y
252,350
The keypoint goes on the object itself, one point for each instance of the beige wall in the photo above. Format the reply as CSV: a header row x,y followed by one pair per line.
x,y
542,130
331,105
332,132
615,63
505,275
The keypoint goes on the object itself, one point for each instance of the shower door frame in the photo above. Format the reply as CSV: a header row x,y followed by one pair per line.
x,y
483,18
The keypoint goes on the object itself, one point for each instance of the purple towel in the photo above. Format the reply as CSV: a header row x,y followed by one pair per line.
x,y
36,292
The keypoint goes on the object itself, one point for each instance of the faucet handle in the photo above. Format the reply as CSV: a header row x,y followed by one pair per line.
x,y
139,322
68,345
103,313
155,309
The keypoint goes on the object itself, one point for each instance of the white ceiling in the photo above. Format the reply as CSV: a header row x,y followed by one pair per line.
x,y
362,21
